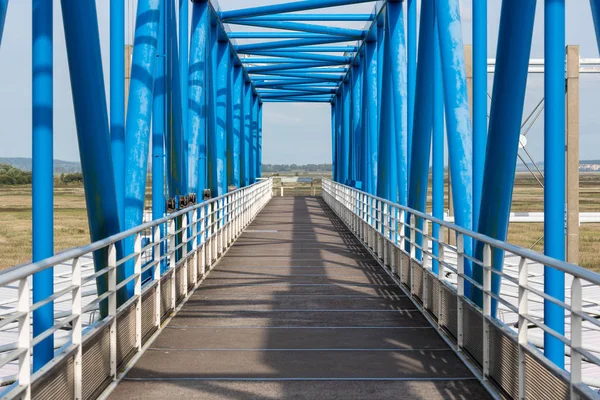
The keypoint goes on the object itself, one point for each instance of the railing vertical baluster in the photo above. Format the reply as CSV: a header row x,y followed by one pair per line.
x,y
77,328
523,328
401,228
112,307
195,246
173,263
413,242
487,307
386,233
24,337
576,336
137,291
441,278
184,253
424,258
156,274
460,290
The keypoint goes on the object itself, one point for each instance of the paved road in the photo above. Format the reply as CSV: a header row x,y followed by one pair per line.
x,y
298,309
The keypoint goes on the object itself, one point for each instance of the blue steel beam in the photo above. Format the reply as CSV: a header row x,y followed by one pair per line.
x,y
594,4
480,105
218,162
260,111
554,182
423,119
3,9
357,122
327,73
333,141
339,98
313,17
247,133
387,175
255,160
398,65
301,100
137,128
298,61
183,20
372,116
159,132
300,27
312,49
282,44
234,159
286,8
306,75
308,66
198,98
437,151
303,56
82,40
117,100
508,96
458,118
43,180
411,58
277,35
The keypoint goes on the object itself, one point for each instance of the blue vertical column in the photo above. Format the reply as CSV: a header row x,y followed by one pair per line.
x,y
346,117
184,68
398,65
137,129
91,116
247,158
117,100
480,105
198,99
422,125
255,160
212,137
357,123
333,141
387,178
508,96
411,56
234,165
339,139
260,125
218,164
177,146
554,182
372,119
158,131
3,9
43,179
458,117
595,5
438,145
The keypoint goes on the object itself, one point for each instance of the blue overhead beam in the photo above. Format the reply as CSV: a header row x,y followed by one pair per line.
x,y
311,17
293,66
3,9
286,8
306,49
278,35
301,56
281,44
300,27
300,62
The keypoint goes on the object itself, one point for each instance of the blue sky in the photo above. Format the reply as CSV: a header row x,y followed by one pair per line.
x,y
293,133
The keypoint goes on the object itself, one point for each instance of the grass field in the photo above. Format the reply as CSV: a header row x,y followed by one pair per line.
x,y
71,226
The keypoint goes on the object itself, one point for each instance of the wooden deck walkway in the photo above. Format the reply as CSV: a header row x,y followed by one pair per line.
x,y
299,309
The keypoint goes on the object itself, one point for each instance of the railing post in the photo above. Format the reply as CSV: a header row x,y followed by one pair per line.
x,y
137,291
112,308
424,258
441,278
487,307
379,229
401,227
157,278
173,262
460,290
195,246
24,337
386,233
576,336
413,242
77,327
184,253
522,335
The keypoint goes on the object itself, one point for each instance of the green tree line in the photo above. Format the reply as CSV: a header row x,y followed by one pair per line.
x,y
10,176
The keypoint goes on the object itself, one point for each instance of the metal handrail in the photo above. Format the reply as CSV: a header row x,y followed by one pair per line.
x,y
211,226
395,226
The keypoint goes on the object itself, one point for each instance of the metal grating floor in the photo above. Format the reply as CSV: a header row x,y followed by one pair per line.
x,y
298,309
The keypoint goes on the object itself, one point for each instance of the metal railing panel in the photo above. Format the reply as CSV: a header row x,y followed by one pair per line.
x,y
500,353
91,353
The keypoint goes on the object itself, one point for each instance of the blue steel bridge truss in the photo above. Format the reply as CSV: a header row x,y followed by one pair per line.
x,y
196,100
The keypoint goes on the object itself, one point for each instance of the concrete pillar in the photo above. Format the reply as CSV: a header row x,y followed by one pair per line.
x,y
572,155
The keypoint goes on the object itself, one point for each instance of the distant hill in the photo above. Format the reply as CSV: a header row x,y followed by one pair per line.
x,y
24,164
